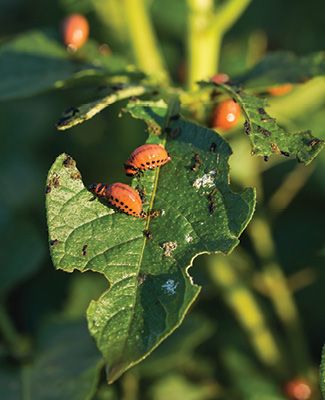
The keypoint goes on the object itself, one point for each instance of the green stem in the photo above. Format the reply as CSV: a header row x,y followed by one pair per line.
x,y
279,292
206,28
143,39
247,310
203,43
229,13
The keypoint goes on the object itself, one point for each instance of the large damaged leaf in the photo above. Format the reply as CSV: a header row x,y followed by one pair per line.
x,y
190,209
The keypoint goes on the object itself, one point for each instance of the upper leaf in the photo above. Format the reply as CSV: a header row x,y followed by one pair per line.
x,y
283,67
80,114
35,62
267,137
149,287
66,366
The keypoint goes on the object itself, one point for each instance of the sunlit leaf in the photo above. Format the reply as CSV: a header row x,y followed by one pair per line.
x,y
150,289
80,114
266,136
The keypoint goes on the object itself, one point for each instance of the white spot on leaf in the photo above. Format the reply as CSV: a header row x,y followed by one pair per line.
x,y
170,286
169,247
205,181
188,238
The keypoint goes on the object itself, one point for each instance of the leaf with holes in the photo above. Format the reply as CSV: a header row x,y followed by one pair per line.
x,y
77,115
267,137
190,210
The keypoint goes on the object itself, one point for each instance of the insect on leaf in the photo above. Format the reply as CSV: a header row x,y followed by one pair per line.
x,y
190,210
266,136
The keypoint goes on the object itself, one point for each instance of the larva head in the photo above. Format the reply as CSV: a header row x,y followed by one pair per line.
x,y
98,188
130,170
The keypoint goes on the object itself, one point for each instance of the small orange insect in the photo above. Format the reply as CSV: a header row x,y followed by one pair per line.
x,y
220,78
298,389
226,115
147,156
280,90
75,31
121,196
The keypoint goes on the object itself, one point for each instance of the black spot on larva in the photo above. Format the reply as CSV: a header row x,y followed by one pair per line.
x,y
148,163
142,165
153,161
117,200
126,206
122,204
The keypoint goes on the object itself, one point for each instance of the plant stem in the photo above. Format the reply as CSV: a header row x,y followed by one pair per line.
x,y
279,292
247,310
143,39
289,188
203,41
229,13
206,28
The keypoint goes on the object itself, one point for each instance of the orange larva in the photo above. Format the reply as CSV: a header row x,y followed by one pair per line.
x,y
280,90
147,156
75,31
226,115
121,196
220,78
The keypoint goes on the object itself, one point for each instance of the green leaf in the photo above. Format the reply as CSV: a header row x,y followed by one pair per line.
x,y
68,364
80,114
283,67
35,62
9,384
178,349
266,136
322,373
150,289
175,387
24,252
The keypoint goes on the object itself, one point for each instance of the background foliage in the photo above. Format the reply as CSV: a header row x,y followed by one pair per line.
x,y
235,343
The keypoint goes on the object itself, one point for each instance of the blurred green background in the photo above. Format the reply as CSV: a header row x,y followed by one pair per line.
x,y
211,356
